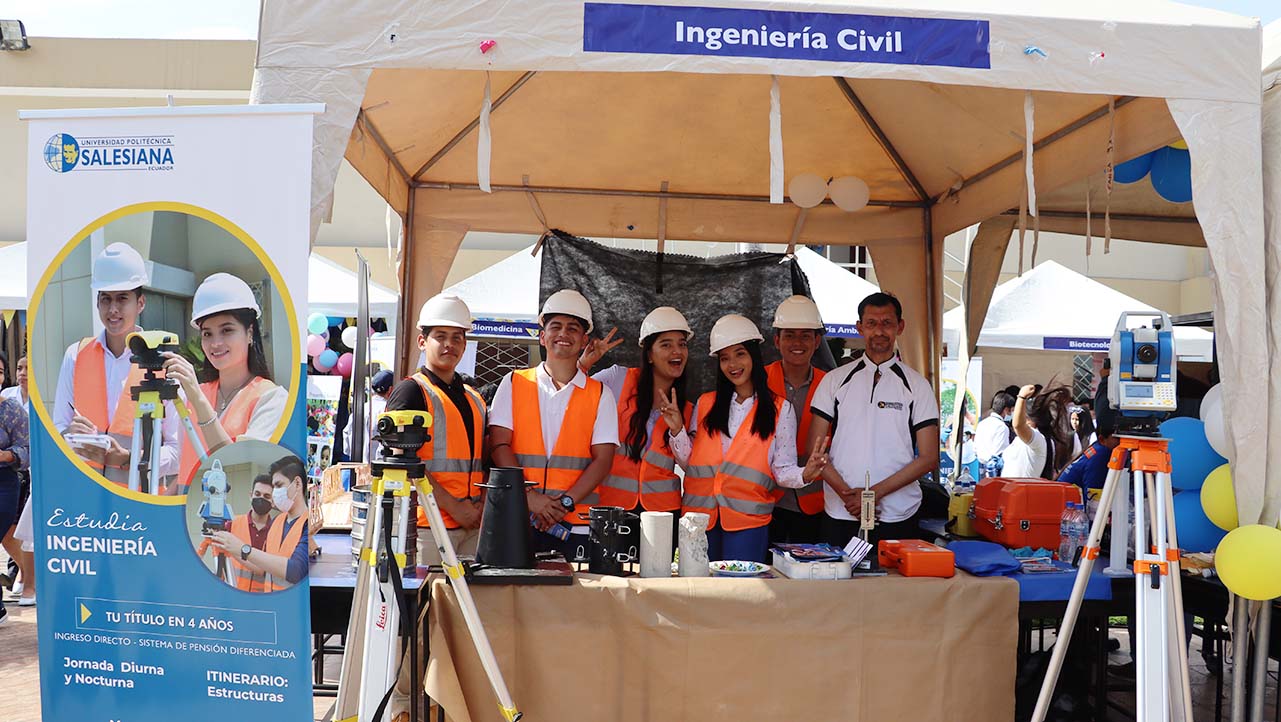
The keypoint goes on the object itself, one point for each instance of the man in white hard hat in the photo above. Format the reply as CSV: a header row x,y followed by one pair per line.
x,y
557,424
798,332
92,397
455,455
879,412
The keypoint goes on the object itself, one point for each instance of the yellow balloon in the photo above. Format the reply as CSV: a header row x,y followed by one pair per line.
x,y
1181,145
1219,500
1249,562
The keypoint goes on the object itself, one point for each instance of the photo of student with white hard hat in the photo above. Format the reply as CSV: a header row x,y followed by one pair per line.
x,y
92,405
231,394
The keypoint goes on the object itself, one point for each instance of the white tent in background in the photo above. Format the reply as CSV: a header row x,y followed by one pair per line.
x,y
13,277
331,290
1053,308
504,297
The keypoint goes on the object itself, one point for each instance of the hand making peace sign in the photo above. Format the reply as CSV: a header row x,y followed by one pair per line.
x,y
818,459
671,411
596,348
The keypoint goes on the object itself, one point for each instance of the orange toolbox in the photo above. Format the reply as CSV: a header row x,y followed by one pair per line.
x,y
1021,512
915,558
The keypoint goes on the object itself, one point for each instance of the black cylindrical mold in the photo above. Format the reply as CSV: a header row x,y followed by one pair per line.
x,y
506,537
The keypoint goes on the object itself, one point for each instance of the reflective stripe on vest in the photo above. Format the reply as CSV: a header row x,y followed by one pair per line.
x,y
809,497
455,463
554,474
735,488
245,579
283,547
652,481
89,396
234,420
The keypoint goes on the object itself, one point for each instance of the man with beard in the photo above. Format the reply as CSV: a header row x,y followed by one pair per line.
x,y
557,424
879,412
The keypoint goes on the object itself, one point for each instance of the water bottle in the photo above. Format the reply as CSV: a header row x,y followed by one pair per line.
x,y
1081,529
1065,534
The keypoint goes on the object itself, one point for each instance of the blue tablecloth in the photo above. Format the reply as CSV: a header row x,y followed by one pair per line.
x,y
1051,587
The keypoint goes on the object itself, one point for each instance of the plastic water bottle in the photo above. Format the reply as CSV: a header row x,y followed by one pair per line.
x,y
1080,530
1066,530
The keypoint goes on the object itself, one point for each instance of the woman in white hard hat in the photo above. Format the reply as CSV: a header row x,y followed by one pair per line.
x,y
643,477
743,451
232,395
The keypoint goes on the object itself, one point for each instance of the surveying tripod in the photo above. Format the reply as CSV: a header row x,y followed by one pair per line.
x,y
150,396
370,668
1158,594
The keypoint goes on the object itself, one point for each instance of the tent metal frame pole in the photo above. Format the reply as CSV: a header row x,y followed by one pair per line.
x,y
403,309
461,135
363,121
1137,217
1048,140
881,139
434,185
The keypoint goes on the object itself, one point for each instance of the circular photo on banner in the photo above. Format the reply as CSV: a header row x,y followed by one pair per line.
x,y
248,516
161,332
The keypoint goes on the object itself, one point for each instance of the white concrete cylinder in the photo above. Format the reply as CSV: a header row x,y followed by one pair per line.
x,y
656,543
693,545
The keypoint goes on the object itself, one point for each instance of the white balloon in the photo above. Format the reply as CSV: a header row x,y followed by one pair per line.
x,y
807,190
349,337
1214,431
1213,398
849,193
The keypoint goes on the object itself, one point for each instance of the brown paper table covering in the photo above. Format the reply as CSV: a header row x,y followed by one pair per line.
x,y
630,649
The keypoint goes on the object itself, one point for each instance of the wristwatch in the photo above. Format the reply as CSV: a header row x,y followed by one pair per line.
x,y
566,502
244,552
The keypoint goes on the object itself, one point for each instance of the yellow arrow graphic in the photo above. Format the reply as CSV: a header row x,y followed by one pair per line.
x,y
84,613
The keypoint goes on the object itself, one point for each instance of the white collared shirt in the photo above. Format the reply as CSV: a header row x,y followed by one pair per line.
x,y
552,405
782,449
991,436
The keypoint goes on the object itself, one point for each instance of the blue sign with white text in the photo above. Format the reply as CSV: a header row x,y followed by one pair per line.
x,y
1072,343
674,30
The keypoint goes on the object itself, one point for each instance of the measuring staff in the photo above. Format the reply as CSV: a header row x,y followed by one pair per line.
x,y
743,452
455,456
798,332
879,412
284,556
92,396
232,395
557,424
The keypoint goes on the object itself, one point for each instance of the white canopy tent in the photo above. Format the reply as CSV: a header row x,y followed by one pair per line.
x,y
504,297
1054,308
613,124
13,277
331,290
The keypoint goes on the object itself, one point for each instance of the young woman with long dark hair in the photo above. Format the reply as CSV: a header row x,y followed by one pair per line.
x,y
231,395
1043,436
743,452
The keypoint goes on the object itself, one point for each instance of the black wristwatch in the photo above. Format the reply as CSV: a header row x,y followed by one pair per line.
x,y
244,552
566,502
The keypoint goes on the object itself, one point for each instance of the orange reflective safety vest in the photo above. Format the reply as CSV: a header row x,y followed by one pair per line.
x,y
234,420
89,394
652,482
455,462
556,473
283,545
810,496
738,486
245,579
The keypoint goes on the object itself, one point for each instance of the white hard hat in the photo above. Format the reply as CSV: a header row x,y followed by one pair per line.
x,y
568,302
797,312
445,309
222,292
118,268
661,319
731,329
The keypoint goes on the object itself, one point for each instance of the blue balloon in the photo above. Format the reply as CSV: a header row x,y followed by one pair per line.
x,y
1172,174
1196,532
1133,170
317,323
1191,456
329,357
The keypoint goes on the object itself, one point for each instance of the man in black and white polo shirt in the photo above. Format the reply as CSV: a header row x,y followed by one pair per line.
x,y
879,413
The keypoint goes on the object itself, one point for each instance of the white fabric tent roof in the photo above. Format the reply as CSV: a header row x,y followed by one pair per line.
x,y
13,277
508,291
331,290
1054,308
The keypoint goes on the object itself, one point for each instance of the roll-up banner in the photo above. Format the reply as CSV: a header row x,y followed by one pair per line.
x,y
167,254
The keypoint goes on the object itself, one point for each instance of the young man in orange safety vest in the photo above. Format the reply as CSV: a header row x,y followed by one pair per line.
x,y
559,425
284,556
798,332
92,396
455,455
250,528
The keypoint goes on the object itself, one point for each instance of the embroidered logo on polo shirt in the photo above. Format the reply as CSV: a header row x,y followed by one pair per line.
x,y
896,405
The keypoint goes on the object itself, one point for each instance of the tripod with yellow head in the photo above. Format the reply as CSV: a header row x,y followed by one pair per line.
x,y
147,349
371,664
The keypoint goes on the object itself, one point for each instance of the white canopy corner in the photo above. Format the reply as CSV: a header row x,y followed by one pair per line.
x,y
331,290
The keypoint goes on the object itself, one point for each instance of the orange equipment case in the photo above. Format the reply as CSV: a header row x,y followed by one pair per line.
x,y
915,558
1021,512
